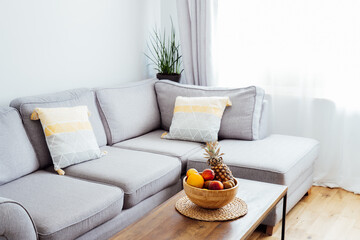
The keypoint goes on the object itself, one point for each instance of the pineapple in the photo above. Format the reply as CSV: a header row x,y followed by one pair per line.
x,y
215,160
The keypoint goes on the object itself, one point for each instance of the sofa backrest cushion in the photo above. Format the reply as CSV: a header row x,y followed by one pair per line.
x,y
17,156
70,98
240,121
265,120
129,110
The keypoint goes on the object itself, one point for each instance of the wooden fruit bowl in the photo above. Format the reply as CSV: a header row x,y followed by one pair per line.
x,y
211,199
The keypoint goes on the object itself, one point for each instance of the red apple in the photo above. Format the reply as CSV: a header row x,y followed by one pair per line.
x,y
206,184
208,174
216,185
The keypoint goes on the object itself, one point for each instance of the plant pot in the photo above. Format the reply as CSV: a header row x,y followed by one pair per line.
x,y
172,77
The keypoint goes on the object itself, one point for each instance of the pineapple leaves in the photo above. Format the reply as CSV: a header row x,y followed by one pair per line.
x,y
222,171
212,151
217,152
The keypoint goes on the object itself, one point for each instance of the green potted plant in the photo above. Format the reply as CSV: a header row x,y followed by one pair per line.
x,y
165,55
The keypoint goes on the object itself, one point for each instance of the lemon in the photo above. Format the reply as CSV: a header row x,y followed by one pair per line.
x,y
195,180
191,171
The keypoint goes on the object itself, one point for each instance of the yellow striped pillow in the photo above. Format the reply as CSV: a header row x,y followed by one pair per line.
x,y
197,118
69,135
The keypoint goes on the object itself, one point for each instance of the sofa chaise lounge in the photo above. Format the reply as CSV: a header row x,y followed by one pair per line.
x,y
97,198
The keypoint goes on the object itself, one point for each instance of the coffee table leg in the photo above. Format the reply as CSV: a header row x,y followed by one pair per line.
x,y
283,218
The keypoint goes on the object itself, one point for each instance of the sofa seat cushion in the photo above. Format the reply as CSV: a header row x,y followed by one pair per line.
x,y
139,174
63,207
276,159
153,143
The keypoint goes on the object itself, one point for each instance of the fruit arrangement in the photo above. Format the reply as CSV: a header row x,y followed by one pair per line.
x,y
218,177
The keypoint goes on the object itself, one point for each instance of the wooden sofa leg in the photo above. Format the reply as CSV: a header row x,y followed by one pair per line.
x,y
270,230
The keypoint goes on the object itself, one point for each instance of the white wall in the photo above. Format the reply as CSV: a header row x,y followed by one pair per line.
x,y
54,45
168,12
168,9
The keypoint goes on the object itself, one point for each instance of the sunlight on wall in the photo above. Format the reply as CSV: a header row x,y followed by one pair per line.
x,y
306,55
307,48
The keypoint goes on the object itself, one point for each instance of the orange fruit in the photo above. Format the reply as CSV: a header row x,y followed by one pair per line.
x,y
195,180
191,171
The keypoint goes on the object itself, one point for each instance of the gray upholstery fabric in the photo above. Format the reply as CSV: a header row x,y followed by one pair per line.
x,y
63,207
264,128
152,142
17,156
295,193
139,174
276,159
15,221
240,121
70,98
129,110
131,215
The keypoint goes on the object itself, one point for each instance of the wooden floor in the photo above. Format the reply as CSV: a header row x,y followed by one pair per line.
x,y
326,214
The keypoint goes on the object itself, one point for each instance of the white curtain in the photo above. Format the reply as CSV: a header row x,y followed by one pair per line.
x,y
197,26
306,55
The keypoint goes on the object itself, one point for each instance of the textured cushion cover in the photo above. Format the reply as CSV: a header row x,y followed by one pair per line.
x,y
197,119
276,159
63,207
131,215
264,129
71,98
295,192
15,221
139,174
68,134
129,110
152,142
17,156
240,121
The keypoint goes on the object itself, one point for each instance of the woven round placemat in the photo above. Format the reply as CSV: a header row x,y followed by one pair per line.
x,y
235,209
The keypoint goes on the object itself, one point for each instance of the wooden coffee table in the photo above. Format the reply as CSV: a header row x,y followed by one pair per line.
x,y
165,222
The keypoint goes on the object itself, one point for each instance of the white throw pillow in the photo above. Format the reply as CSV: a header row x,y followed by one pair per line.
x,y
197,118
69,135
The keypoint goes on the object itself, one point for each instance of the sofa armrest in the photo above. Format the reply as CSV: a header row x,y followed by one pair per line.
x,y
15,221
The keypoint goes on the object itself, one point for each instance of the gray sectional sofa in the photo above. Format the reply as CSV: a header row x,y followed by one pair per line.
x,y
97,198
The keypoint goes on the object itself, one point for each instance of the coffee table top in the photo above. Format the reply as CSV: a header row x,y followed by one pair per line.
x,y
165,222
